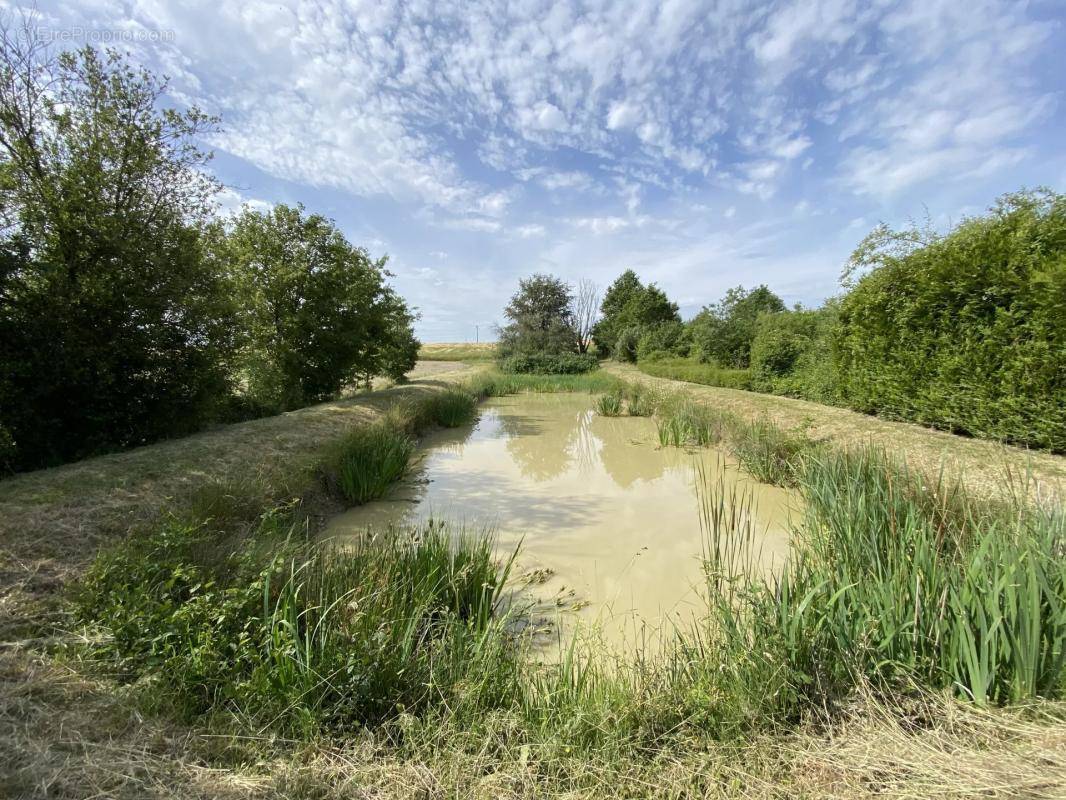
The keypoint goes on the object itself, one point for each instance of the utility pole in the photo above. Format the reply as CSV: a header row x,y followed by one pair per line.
x,y
477,335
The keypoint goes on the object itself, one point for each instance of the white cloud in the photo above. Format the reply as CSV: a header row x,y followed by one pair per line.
x,y
622,115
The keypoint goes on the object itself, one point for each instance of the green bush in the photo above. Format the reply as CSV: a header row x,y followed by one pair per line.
x,y
663,340
791,353
625,346
549,363
968,332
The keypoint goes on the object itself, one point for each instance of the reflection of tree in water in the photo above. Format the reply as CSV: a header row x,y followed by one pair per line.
x,y
543,446
627,461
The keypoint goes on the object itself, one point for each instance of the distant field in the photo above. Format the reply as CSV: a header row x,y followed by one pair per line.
x,y
457,351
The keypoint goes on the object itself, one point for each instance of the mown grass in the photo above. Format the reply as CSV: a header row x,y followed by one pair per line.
x,y
692,371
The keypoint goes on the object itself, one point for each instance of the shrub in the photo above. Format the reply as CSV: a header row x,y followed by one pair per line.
x,y
968,332
625,347
663,340
791,353
550,363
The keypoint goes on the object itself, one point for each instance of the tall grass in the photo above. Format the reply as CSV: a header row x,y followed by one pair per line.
x,y
369,460
497,384
767,452
609,405
900,583
452,407
308,636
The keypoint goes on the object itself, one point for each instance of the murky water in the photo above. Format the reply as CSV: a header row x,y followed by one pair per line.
x,y
608,521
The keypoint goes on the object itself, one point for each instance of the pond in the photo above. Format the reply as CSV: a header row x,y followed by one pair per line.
x,y
608,522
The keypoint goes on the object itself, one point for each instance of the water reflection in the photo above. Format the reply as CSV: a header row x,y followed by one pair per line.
x,y
607,518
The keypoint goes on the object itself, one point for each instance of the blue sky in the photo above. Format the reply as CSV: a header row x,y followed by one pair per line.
x,y
703,144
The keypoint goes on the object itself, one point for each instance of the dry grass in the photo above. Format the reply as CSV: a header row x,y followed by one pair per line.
x,y
64,736
982,464
458,351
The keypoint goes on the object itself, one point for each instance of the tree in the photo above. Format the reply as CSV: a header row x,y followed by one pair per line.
x,y
585,308
115,330
629,307
723,332
540,318
318,311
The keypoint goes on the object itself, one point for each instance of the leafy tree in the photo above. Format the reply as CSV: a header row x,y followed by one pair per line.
x,y
540,319
114,329
791,353
317,311
628,307
723,332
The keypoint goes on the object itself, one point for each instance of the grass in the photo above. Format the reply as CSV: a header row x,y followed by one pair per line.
x,y
464,351
393,667
897,584
609,405
301,638
369,460
492,383
692,371
450,408
765,451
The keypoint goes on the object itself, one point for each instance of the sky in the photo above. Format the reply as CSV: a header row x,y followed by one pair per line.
x,y
703,144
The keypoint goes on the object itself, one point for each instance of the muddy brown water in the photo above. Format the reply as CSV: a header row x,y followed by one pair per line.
x,y
608,522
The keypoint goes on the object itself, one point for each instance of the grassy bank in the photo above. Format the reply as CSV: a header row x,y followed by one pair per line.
x,y
692,371
877,663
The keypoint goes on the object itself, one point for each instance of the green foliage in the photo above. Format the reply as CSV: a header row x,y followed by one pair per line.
x,y
684,423
369,460
609,405
498,384
549,363
318,312
540,320
452,407
966,332
628,304
625,347
663,340
770,454
691,371
791,353
722,333
897,583
115,330
306,638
